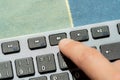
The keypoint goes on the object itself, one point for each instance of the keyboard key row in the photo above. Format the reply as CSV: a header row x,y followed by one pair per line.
x,y
46,63
58,76
25,66
39,78
40,42
76,75
110,51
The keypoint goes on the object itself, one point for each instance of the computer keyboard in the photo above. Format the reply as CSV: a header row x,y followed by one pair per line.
x,y
37,56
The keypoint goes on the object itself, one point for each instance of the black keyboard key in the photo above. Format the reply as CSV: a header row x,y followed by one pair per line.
x,y
39,78
24,67
60,76
37,43
79,75
111,51
62,63
46,63
65,63
10,47
55,38
79,35
118,26
6,71
100,32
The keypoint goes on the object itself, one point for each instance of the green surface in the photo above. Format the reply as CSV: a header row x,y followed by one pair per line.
x,y
21,17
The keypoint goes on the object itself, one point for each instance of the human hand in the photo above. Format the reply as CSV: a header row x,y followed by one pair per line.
x,y
91,61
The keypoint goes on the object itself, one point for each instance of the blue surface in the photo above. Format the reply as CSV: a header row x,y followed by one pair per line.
x,y
93,11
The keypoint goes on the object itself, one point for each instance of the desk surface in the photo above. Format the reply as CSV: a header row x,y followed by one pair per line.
x,y
94,11
19,17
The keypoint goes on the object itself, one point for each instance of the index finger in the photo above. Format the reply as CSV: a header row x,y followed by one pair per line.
x,y
91,61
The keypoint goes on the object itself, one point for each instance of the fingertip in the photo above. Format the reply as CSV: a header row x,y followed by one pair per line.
x,y
64,42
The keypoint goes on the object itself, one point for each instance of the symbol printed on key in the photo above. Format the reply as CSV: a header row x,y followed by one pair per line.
x,y
41,59
37,41
6,65
78,34
54,77
21,71
43,68
7,73
29,70
58,38
49,58
10,46
100,30
107,52
64,64
77,75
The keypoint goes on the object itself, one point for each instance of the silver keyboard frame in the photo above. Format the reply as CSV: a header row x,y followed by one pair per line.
x,y
26,52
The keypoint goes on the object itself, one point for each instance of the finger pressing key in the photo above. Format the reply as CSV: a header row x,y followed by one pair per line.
x,y
91,61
